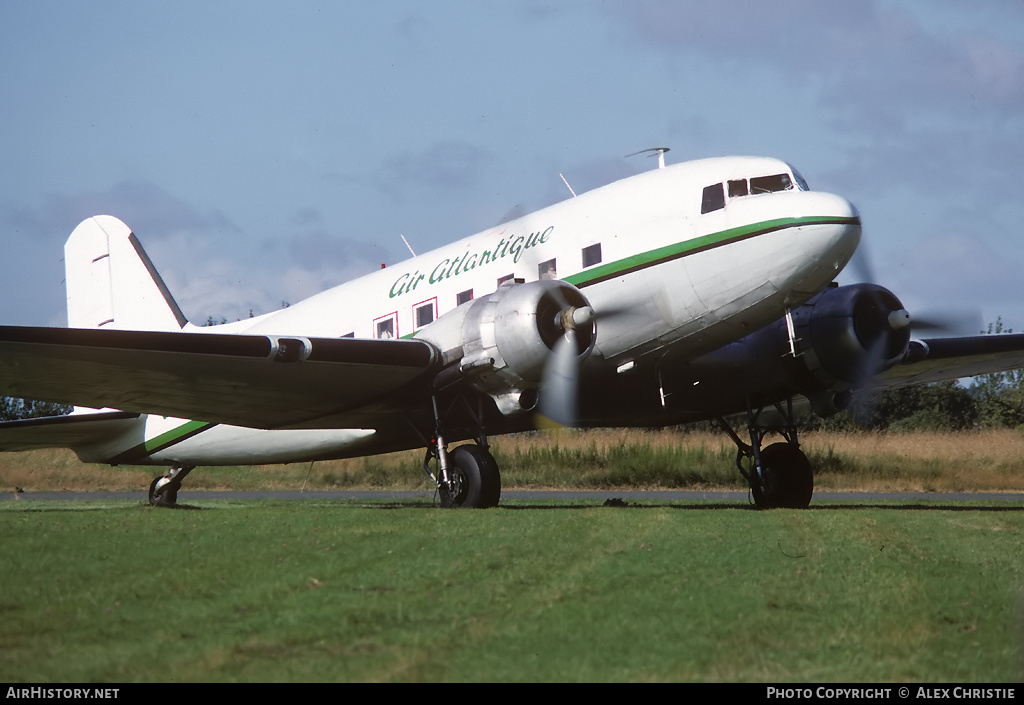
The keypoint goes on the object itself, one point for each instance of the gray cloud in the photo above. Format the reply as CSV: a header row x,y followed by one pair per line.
x,y
866,58
451,164
138,202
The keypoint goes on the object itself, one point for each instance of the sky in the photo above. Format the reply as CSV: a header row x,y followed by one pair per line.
x,y
265,151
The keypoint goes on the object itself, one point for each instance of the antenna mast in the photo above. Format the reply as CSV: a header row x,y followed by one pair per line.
x,y
660,151
407,244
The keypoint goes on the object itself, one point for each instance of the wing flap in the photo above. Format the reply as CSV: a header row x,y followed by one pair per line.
x,y
243,380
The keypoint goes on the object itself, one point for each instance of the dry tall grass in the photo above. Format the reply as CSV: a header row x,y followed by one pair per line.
x,y
608,458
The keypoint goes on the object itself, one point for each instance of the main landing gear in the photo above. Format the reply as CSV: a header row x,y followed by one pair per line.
x,y
163,491
780,476
467,476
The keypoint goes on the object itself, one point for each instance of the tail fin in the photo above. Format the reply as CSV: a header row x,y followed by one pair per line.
x,y
112,283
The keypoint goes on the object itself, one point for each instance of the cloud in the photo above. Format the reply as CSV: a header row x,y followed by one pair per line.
x,y
140,203
864,58
212,267
445,165
176,234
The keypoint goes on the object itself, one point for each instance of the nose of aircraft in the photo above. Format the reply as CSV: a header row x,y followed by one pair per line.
x,y
837,226
828,238
847,226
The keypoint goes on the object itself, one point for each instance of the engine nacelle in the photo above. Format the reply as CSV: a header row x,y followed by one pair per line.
x,y
503,341
851,334
842,338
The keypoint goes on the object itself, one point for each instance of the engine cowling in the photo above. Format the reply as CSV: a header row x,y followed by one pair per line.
x,y
503,341
851,334
842,338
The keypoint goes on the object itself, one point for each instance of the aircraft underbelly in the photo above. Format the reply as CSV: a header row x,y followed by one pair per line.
x,y
228,445
158,440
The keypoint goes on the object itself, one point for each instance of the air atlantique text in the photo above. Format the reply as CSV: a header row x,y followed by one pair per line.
x,y
512,247
63,693
834,693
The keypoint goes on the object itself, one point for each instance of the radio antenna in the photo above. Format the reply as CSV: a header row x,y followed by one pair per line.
x,y
567,185
660,151
407,244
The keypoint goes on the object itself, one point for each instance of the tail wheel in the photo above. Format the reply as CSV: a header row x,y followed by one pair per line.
x,y
475,480
161,494
788,481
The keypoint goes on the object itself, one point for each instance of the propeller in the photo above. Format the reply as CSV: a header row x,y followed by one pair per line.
x,y
885,328
950,322
560,383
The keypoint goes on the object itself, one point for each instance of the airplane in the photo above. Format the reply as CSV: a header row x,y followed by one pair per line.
x,y
701,290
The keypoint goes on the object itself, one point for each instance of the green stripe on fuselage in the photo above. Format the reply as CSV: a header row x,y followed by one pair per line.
x,y
164,440
685,248
634,263
175,435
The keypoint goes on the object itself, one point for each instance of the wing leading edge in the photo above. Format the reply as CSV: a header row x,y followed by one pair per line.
x,y
941,359
242,380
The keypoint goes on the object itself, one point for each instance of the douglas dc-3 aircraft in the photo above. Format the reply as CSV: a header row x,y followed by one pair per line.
x,y
695,291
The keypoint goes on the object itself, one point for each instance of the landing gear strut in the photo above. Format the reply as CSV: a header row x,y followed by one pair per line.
x,y
163,491
467,476
780,476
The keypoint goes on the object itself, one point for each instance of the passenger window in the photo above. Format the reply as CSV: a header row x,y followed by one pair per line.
x,y
424,314
738,188
713,200
386,327
349,335
546,270
770,184
507,277
463,297
592,255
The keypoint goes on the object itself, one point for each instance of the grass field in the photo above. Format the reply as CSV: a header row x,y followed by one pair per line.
x,y
117,591
319,591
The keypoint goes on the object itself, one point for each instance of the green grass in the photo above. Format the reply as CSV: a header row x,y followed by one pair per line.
x,y
335,591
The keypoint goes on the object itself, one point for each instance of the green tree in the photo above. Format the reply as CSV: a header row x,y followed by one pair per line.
x,y
1000,396
941,406
13,408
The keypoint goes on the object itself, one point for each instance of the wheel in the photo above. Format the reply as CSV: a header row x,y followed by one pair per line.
x,y
788,478
160,494
475,480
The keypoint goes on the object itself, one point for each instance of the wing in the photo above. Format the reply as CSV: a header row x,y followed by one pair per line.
x,y
941,359
63,431
242,380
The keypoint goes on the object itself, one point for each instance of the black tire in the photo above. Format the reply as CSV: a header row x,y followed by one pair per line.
x,y
788,478
165,497
476,479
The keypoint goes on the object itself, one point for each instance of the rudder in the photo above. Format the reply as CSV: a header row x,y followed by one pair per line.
x,y
112,283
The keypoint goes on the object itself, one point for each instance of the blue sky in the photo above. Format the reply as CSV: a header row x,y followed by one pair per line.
x,y
264,151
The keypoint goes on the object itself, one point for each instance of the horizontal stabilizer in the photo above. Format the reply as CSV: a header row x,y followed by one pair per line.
x,y
64,431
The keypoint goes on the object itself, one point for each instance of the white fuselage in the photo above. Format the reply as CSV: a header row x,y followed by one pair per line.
x,y
712,277
692,266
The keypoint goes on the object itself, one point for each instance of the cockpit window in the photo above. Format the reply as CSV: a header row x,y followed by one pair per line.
x,y
800,181
738,188
770,184
713,200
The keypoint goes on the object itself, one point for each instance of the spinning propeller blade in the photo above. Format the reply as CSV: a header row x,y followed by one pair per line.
x,y
559,392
